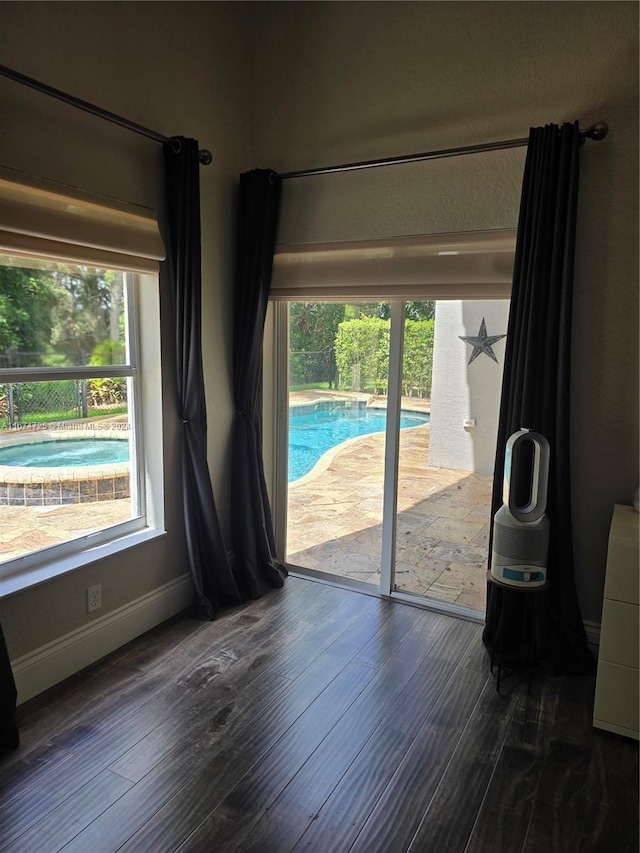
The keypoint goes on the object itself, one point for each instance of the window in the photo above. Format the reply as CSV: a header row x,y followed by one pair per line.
x,y
80,396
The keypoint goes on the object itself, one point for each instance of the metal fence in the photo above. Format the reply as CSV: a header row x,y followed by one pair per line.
x,y
25,402
306,367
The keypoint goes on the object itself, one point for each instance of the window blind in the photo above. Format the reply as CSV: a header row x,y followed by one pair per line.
x,y
41,219
475,265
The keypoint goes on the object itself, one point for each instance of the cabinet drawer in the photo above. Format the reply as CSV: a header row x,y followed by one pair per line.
x,y
619,633
621,581
616,707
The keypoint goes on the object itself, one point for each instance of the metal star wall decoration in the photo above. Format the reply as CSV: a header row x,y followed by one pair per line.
x,y
482,343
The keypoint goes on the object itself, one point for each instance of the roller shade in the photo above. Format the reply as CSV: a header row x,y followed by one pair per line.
x,y
475,265
43,220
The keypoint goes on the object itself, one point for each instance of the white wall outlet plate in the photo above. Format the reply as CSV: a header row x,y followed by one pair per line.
x,y
94,597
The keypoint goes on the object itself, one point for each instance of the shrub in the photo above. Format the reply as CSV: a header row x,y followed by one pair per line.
x,y
362,356
417,362
107,392
361,349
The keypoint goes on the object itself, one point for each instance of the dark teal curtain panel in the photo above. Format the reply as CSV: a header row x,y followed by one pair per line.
x,y
536,394
257,568
212,576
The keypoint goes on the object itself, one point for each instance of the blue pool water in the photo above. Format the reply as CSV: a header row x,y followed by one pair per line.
x,y
76,452
312,434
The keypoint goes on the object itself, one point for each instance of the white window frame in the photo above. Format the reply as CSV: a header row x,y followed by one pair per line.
x,y
144,411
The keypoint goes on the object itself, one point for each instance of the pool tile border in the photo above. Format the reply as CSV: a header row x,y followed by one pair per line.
x,y
63,485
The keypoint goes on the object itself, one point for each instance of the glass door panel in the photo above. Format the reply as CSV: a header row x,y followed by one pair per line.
x,y
338,366
452,370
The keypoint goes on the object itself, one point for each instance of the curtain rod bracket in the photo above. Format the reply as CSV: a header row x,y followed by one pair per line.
x,y
204,156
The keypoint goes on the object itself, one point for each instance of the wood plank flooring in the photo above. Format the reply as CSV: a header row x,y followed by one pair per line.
x,y
316,719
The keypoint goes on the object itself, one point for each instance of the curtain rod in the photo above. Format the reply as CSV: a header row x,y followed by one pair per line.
x,y
597,132
203,155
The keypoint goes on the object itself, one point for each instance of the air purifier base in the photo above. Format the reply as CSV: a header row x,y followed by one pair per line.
x,y
526,647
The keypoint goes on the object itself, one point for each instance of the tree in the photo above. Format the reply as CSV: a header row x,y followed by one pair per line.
x,y
60,316
81,313
312,332
412,310
26,301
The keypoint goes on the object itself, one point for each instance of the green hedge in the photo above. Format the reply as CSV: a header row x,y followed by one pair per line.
x,y
417,361
362,356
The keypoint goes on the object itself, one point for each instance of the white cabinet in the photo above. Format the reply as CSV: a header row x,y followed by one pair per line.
x,y
617,706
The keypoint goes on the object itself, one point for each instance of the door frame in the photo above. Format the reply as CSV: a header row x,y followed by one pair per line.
x,y
280,387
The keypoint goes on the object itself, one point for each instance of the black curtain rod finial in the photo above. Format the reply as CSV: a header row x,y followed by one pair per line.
x,y
597,131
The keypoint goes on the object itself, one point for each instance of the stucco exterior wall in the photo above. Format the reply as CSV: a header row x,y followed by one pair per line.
x,y
463,391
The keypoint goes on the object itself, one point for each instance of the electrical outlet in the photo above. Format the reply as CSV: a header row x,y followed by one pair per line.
x,y
94,597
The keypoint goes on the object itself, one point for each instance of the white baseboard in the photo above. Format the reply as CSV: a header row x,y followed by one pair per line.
x,y
48,665
40,669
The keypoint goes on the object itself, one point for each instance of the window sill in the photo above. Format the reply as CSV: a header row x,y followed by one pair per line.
x,y
21,580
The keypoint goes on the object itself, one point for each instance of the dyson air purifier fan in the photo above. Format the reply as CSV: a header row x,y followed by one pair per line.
x,y
521,531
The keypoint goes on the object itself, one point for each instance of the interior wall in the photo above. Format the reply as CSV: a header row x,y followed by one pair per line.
x,y
178,68
344,82
335,82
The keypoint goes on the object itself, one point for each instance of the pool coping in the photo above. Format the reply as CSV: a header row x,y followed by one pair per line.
x,y
329,455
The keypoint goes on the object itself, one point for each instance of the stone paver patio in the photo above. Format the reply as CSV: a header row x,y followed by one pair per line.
x,y
29,528
335,518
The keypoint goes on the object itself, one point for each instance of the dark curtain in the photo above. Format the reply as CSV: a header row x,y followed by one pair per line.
x,y
256,565
9,738
536,395
212,576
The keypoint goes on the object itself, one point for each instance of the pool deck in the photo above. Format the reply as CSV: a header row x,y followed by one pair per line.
x,y
335,516
29,528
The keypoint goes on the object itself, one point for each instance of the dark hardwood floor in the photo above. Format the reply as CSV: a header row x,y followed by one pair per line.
x,y
315,719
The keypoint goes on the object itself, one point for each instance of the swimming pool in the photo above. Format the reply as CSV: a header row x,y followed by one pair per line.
x,y
56,454
64,466
312,433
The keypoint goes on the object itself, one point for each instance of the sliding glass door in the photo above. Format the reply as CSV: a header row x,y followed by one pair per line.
x,y
387,439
